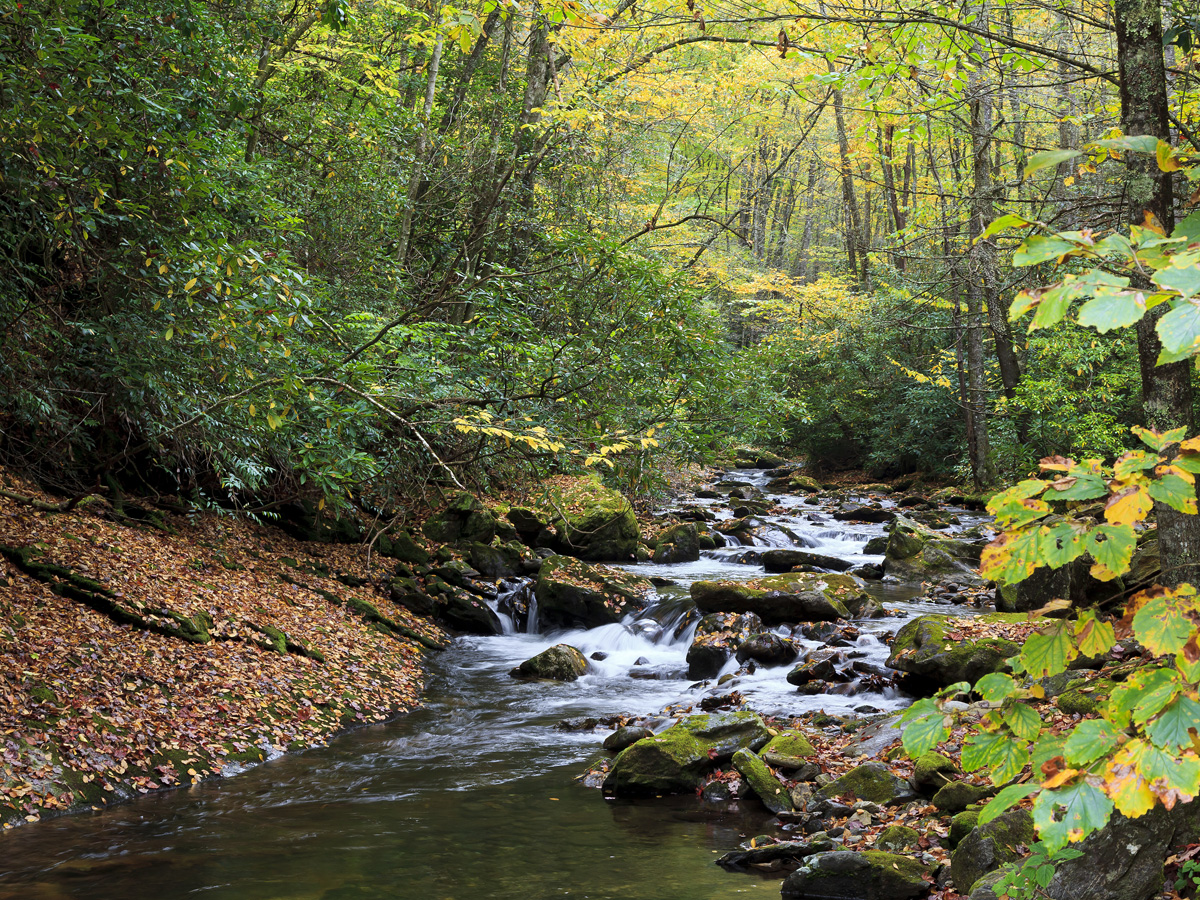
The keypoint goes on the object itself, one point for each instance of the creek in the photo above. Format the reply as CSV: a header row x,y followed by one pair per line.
x,y
473,796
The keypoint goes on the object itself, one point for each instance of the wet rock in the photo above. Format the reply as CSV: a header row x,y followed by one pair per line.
x,y
599,656
923,648
626,736
767,649
863,606
677,544
871,781
774,853
720,792
784,560
864,514
788,750
876,545
918,553
989,846
805,483
562,662
796,597
762,781
463,611
675,760
819,665
866,572
758,459
408,593
707,494
851,875
717,638
571,593
958,795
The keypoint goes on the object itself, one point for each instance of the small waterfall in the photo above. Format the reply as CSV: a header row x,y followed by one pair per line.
x,y
516,605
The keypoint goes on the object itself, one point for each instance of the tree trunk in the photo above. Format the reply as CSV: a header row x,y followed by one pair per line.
x,y
418,166
854,242
1167,389
982,270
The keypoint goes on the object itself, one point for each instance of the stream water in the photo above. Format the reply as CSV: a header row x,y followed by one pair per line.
x,y
474,795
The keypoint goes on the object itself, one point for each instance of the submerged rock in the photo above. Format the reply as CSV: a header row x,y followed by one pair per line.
x,y
795,597
676,760
851,875
571,593
562,662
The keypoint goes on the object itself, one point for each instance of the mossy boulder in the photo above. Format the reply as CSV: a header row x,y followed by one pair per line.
x,y
804,483
463,611
990,846
916,552
933,771
962,824
595,523
679,543
784,559
716,639
795,597
492,560
788,750
1083,698
398,544
924,648
463,519
677,759
562,662
573,594
762,781
871,781
897,837
748,458
408,593
857,875
958,795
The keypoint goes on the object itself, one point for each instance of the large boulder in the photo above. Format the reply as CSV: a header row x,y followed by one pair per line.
x,y
990,846
679,543
871,781
769,789
924,648
1075,583
573,594
562,662
795,597
463,519
595,523
399,544
783,559
758,459
918,553
1124,860
851,875
676,760
717,638
463,611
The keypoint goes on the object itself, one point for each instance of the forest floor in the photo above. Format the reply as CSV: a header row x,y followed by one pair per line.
x,y
259,644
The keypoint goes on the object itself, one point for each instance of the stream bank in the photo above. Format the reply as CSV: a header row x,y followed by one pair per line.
x,y
404,800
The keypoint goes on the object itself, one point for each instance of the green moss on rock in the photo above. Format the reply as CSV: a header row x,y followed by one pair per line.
x,y
897,837
762,781
788,750
871,781
794,597
562,662
1083,698
987,847
923,648
571,593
